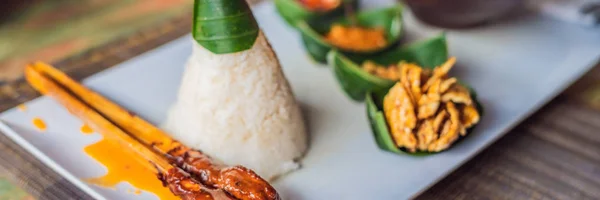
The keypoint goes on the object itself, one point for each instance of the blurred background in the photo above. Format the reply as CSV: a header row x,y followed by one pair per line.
x,y
50,30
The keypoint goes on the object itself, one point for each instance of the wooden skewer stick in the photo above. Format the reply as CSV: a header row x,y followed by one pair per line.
x,y
178,180
138,127
238,181
97,121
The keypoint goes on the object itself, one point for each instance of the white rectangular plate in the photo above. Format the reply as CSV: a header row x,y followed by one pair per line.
x,y
515,66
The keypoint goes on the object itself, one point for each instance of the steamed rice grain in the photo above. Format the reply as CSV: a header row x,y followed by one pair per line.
x,y
239,109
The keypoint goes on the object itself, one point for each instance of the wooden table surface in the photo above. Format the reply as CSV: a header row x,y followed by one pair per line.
x,y
555,154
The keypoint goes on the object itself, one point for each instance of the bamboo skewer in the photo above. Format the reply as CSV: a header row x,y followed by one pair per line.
x,y
89,116
237,181
178,180
141,129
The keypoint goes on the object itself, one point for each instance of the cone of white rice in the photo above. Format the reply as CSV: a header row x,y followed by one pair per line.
x,y
239,109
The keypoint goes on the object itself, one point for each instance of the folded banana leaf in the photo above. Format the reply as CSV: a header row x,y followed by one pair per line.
x,y
390,19
224,26
356,82
293,11
380,128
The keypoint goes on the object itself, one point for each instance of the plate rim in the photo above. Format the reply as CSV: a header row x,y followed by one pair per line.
x,y
49,162
88,189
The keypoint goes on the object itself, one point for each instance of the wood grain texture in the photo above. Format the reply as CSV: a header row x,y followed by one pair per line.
x,y
25,170
555,154
54,30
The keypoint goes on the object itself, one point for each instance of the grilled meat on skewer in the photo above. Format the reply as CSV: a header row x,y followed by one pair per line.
x,y
237,181
178,182
186,188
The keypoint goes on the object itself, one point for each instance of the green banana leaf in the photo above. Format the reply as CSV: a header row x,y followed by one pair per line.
x,y
380,128
224,26
356,82
312,32
292,11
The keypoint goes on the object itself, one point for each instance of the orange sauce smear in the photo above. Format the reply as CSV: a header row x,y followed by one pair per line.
x,y
39,124
123,166
22,107
86,130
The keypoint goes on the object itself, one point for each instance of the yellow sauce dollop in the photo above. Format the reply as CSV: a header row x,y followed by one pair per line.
x,y
123,166
22,107
39,124
86,130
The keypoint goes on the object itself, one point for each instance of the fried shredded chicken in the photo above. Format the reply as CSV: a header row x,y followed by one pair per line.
x,y
470,117
439,120
426,110
426,134
446,84
449,133
458,94
400,112
390,72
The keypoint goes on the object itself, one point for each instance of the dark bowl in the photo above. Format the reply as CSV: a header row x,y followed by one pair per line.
x,y
460,13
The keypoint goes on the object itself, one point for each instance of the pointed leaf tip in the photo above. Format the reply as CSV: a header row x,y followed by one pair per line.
x,y
224,26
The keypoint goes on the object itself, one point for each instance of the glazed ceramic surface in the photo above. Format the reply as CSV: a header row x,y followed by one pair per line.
x,y
516,66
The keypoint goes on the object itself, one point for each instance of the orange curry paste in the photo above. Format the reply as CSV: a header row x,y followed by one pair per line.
x,y
321,5
356,38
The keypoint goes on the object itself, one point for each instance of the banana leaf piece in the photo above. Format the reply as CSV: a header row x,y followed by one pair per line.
x,y
380,128
390,19
224,26
356,82
293,10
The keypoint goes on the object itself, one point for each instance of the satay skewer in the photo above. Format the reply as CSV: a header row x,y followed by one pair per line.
x,y
90,117
237,181
143,130
178,181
